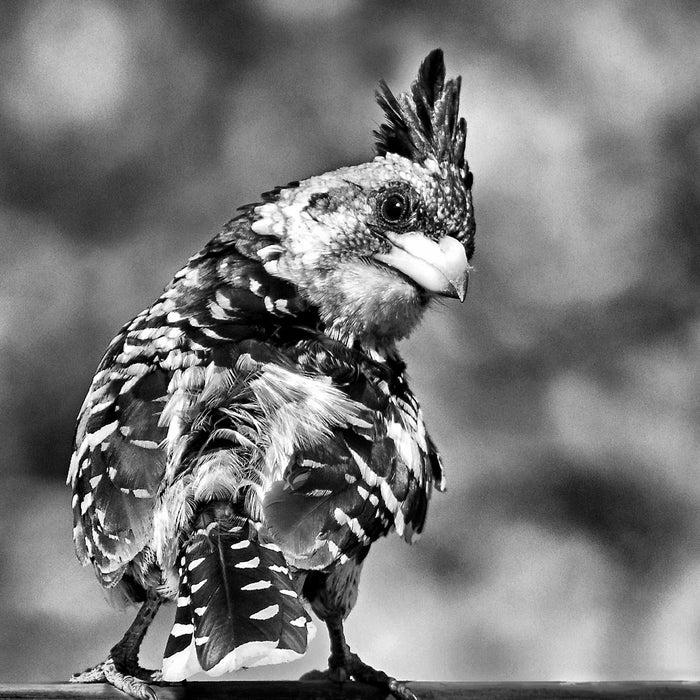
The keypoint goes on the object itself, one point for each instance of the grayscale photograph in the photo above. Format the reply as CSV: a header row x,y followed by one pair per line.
x,y
349,349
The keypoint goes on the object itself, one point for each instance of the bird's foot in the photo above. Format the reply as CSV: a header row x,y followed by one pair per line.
x,y
352,667
132,680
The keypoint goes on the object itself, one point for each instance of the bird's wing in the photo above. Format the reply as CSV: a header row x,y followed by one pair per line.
x,y
337,497
118,461
123,442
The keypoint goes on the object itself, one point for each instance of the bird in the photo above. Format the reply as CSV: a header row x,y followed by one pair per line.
x,y
248,436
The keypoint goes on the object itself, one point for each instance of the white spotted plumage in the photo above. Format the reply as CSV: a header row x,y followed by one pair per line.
x,y
251,434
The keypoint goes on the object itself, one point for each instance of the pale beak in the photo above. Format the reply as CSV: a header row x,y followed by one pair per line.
x,y
438,266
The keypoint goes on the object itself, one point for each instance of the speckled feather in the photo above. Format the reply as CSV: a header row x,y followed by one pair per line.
x,y
261,399
226,567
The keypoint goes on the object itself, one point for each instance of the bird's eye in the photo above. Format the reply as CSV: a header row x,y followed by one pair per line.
x,y
394,207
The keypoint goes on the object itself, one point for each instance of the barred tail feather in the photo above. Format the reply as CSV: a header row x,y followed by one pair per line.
x,y
236,606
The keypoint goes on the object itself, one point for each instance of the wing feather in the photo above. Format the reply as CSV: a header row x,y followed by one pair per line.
x,y
119,465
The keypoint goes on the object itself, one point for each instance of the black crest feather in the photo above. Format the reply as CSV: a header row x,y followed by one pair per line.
x,y
425,122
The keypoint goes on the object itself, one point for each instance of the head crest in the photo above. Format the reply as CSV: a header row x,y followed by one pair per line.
x,y
425,122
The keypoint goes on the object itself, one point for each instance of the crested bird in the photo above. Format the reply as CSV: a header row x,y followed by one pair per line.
x,y
248,436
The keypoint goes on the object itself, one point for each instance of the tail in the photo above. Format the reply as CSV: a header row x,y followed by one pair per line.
x,y
236,605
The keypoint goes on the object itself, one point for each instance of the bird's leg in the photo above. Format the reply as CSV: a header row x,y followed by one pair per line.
x,y
340,656
344,664
121,667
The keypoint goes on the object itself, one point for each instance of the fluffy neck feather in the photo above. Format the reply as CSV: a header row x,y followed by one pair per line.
x,y
366,303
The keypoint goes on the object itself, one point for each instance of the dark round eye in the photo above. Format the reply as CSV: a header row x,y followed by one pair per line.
x,y
394,207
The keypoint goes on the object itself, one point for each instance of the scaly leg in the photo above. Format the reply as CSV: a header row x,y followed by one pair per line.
x,y
121,667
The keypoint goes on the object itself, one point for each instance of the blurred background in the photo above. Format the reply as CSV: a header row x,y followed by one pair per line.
x,y
564,394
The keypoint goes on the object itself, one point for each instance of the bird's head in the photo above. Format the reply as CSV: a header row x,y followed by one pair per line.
x,y
369,245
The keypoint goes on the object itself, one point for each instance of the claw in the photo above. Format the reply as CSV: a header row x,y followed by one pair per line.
x,y
360,671
95,674
400,690
356,669
135,683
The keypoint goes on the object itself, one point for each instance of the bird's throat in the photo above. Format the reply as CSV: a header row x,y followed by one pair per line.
x,y
367,303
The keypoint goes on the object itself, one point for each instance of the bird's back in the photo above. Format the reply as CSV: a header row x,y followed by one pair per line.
x,y
221,391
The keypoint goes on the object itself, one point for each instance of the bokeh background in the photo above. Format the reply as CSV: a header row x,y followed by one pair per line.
x,y
564,393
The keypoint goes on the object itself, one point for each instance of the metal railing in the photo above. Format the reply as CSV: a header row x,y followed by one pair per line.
x,y
324,690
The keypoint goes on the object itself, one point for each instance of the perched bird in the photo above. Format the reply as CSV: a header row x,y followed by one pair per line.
x,y
248,436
